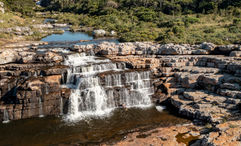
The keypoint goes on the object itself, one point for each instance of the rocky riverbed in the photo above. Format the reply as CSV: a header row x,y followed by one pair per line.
x,y
202,81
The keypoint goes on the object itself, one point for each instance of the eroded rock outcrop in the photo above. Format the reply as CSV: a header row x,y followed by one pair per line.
x,y
149,48
30,84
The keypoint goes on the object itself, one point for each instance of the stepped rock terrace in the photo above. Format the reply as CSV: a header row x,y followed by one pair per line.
x,y
202,82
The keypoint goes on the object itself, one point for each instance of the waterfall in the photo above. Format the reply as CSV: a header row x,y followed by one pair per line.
x,y
5,116
40,108
61,106
35,74
46,89
99,86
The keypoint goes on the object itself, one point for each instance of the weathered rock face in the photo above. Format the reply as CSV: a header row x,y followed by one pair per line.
x,y
30,84
33,92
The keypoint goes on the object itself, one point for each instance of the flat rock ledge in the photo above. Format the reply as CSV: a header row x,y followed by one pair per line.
x,y
188,134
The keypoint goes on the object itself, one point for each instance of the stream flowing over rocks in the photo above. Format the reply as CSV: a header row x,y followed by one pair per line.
x,y
202,81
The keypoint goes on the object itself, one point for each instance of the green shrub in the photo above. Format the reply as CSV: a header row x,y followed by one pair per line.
x,y
237,21
209,30
171,23
138,34
178,30
234,29
190,20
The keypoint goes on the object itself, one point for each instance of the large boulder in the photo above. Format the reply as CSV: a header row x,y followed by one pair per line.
x,y
52,57
208,46
27,57
99,32
8,56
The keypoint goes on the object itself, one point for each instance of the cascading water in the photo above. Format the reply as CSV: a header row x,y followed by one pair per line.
x,y
61,106
5,116
40,108
99,86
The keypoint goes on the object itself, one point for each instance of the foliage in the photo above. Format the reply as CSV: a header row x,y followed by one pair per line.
x,y
167,21
25,7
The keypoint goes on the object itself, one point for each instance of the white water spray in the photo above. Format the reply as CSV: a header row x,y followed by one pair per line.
x,y
93,95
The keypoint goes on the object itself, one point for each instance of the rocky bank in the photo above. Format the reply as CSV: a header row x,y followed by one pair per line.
x,y
202,81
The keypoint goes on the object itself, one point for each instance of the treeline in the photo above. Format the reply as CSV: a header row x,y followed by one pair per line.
x,y
166,21
170,7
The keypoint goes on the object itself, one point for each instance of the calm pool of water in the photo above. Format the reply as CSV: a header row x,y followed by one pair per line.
x,y
67,36
54,131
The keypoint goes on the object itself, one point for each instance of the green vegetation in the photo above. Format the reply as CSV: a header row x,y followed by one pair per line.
x,y
165,21
19,13
24,7
178,21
